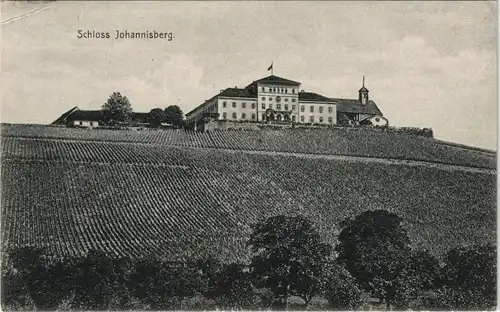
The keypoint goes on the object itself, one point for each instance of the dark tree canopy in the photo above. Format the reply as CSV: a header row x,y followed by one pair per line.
x,y
231,288
342,291
155,117
342,119
375,248
117,109
174,115
290,258
469,278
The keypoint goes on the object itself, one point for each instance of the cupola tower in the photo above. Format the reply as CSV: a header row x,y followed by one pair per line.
x,y
363,94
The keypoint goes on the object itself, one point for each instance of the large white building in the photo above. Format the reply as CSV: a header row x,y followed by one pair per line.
x,y
278,99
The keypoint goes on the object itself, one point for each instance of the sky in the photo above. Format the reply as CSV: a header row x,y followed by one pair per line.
x,y
427,64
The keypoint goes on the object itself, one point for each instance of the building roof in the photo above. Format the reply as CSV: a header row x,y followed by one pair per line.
x,y
363,89
86,115
368,119
311,96
237,92
278,81
229,92
91,115
62,118
354,106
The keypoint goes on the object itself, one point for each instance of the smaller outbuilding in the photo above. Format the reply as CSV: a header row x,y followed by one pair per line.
x,y
376,120
76,117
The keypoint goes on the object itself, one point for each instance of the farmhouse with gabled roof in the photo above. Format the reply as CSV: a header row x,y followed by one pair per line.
x,y
90,118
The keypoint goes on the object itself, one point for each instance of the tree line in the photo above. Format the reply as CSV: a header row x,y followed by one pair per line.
x,y
373,258
118,110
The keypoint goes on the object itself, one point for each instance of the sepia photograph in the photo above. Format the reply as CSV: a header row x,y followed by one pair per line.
x,y
248,155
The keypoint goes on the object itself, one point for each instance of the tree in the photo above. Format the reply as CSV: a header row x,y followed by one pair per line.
x,y
231,288
146,283
174,116
94,281
469,279
375,248
163,285
15,294
342,292
290,258
342,119
155,117
117,109
45,280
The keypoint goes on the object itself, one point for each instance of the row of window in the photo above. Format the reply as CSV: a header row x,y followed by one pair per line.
x,y
243,105
277,90
311,109
253,116
235,116
278,106
270,99
311,119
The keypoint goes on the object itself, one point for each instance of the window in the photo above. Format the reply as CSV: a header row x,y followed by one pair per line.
x,y
311,109
263,106
293,118
320,119
263,98
243,105
286,90
302,118
293,90
263,116
224,104
91,123
270,99
302,108
262,89
293,107
281,90
253,116
234,104
81,123
224,115
274,90
270,90
330,119
311,119
271,105
330,109
286,106
293,100
253,105
321,109
278,106
286,99
234,115
243,116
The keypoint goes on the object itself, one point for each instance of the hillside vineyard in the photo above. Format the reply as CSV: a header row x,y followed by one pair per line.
x,y
352,142
187,195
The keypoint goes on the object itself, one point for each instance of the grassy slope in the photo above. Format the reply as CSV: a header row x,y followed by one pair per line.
x,y
138,199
